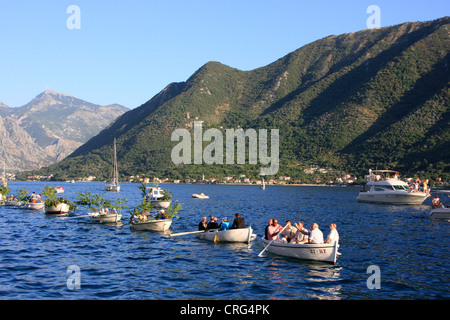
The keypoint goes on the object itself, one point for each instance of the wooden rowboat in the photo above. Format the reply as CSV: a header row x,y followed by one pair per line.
x,y
159,225
326,252
34,206
232,235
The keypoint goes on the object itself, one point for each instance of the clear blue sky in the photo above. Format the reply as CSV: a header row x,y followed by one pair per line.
x,y
126,51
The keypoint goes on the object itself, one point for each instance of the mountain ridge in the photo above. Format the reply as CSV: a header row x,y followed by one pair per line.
x,y
337,101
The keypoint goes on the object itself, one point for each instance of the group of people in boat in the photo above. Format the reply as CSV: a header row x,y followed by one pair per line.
x,y
238,223
436,203
144,217
298,233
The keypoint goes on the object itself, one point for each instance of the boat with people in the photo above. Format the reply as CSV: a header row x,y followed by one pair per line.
x,y
439,209
325,252
382,188
200,196
34,205
231,235
105,216
158,225
13,203
113,185
158,197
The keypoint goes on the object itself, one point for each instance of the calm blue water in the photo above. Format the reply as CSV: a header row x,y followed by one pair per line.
x,y
36,250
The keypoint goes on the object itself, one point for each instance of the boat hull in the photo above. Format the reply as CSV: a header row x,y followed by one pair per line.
x,y
153,225
440,213
112,188
105,218
392,197
199,196
61,208
160,203
13,203
325,252
232,235
35,206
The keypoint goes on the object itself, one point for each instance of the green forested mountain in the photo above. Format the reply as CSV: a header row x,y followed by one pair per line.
x,y
374,98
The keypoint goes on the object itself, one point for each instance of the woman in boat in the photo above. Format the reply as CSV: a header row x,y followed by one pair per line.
x,y
225,225
203,225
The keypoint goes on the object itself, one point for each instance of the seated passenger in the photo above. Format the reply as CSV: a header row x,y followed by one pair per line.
x,y
225,225
315,235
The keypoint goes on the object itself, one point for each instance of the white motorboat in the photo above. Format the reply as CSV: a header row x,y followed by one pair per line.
x,y
109,217
34,205
326,252
61,208
159,225
231,235
200,196
389,190
113,185
157,197
443,210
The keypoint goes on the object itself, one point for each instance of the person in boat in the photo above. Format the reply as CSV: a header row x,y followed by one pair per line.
x,y
302,233
333,236
266,230
39,198
33,197
289,232
161,215
238,222
225,225
315,234
212,224
203,225
436,202
273,230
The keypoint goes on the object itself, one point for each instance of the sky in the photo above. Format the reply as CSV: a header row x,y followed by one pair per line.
x,y
126,51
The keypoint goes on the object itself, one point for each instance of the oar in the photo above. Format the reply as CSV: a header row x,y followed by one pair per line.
x,y
183,233
260,254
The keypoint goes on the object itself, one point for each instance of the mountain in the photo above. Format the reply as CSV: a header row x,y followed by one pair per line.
x,y
374,98
49,128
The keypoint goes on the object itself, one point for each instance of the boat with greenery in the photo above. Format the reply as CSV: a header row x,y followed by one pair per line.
x,y
101,210
54,205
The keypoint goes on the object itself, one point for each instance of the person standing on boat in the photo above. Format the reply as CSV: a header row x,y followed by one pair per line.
x,y
273,230
315,235
203,225
238,222
225,225
333,236
302,233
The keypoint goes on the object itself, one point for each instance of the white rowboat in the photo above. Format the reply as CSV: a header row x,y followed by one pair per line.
x,y
34,206
105,218
231,235
159,225
326,252
61,208
200,196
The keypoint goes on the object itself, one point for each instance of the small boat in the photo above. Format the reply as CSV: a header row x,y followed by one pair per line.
x,y
113,185
442,211
59,189
157,198
159,225
389,190
13,203
231,235
110,217
263,187
34,205
200,196
326,252
61,208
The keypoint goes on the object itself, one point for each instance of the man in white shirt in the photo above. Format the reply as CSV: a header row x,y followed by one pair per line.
x,y
315,235
302,233
333,236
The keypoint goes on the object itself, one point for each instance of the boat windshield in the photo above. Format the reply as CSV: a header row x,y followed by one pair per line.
x,y
399,187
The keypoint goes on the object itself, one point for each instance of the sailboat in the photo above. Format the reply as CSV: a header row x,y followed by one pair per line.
x,y
4,182
263,184
113,185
